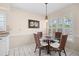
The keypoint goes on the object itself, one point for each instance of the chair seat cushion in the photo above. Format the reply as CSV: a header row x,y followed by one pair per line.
x,y
55,45
41,39
43,43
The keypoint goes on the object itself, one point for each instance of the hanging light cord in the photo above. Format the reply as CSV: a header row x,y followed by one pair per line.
x,y
46,11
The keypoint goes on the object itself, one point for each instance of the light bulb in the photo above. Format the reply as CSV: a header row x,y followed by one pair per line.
x,y
46,20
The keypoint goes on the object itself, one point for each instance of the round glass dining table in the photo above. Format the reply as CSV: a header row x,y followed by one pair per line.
x,y
49,40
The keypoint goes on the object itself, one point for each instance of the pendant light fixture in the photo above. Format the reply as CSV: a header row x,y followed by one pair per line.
x,y
46,17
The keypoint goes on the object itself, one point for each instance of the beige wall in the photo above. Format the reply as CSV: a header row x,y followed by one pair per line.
x,y
70,11
17,23
19,31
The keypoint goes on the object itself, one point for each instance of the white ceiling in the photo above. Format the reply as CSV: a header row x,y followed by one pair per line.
x,y
39,8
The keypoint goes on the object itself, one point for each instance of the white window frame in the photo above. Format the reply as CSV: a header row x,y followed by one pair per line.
x,y
3,21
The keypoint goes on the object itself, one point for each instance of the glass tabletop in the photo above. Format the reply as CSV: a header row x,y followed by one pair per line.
x,y
49,38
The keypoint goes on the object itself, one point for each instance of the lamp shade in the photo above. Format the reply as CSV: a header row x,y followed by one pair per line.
x,y
46,17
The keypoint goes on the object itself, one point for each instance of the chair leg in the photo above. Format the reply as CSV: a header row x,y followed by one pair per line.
x,y
35,49
59,52
39,51
65,52
55,51
50,53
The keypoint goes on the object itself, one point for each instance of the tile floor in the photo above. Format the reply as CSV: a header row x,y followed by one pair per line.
x,y
28,50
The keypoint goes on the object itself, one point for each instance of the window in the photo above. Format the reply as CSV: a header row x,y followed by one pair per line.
x,y
63,25
2,22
